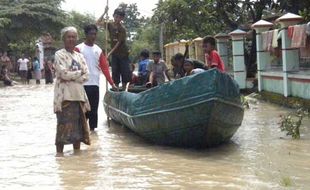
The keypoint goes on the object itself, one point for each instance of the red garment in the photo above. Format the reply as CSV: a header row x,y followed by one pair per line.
x,y
290,31
299,36
305,51
134,79
104,66
214,60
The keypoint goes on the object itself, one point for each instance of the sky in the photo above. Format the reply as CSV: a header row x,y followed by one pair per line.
x,y
96,7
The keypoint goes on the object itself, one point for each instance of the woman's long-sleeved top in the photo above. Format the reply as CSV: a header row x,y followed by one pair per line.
x,y
71,73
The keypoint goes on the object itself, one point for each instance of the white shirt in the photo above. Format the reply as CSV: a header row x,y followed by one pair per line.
x,y
92,57
41,54
23,64
197,70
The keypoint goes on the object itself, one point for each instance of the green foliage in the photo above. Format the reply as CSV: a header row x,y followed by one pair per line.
x,y
79,21
305,13
23,20
286,182
186,19
291,123
21,47
249,99
245,102
147,38
133,20
140,34
192,18
300,7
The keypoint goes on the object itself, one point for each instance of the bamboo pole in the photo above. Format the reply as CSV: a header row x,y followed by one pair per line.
x,y
106,51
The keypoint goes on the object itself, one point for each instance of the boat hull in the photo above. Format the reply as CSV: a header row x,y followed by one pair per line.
x,y
180,114
205,124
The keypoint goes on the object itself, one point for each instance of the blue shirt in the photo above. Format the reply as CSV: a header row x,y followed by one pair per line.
x,y
142,67
36,65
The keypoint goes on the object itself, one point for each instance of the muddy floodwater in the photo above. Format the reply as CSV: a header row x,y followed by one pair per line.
x,y
259,156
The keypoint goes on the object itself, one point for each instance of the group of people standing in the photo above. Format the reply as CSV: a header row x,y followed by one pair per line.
x,y
28,65
27,68
78,68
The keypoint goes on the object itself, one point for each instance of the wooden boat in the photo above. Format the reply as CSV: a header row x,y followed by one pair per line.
x,y
201,110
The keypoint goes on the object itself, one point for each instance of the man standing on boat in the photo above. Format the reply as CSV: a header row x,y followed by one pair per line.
x,y
96,60
119,51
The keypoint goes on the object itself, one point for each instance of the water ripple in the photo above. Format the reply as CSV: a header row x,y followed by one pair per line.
x,y
259,156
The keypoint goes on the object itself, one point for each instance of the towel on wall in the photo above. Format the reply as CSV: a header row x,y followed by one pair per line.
x,y
299,36
308,29
305,51
275,38
290,31
267,40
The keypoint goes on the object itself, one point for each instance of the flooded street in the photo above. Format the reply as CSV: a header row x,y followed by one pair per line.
x,y
256,158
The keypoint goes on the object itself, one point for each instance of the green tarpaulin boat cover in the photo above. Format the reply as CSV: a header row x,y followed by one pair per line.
x,y
184,91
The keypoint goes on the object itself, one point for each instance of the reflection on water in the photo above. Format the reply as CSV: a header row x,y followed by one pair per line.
x,y
256,158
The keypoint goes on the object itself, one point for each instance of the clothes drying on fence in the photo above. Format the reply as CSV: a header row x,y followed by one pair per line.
x,y
267,40
305,51
308,29
275,38
290,31
299,36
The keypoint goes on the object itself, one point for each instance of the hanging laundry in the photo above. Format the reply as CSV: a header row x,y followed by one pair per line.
x,y
275,38
290,32
267,40
299,36
264,40
308,29
305,51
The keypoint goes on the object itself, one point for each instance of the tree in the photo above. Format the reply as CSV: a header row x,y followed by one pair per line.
x,y
137,32
186,19
301,7
79,21
133,20
22,21
147,38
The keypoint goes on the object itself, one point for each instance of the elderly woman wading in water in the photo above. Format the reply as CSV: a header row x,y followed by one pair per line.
x,y
70,99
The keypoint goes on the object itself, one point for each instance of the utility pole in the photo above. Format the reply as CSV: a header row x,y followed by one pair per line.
x,y
161,37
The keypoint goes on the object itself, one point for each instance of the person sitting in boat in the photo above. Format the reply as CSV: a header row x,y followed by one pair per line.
x,y
178,65
143,63
158,70
190,69
134,76
212,58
